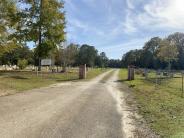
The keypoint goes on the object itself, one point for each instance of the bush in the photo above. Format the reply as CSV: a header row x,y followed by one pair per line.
x,y
22,64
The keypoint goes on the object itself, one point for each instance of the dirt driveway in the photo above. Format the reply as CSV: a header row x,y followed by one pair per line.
x,y
88,109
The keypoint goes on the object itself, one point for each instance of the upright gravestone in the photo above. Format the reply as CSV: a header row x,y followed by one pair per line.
x,y
146,73
82,72
130,73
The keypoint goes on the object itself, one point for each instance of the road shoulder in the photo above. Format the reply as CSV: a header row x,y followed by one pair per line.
x,y
138,123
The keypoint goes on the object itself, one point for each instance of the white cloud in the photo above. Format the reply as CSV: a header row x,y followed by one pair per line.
x,y
168,13
129,24
130,4
155,14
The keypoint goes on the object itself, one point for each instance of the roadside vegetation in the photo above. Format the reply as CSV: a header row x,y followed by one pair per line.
x,y
18,81
162,106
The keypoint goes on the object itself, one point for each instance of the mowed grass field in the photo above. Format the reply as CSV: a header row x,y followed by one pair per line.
x,y
93,72
16,81
161,105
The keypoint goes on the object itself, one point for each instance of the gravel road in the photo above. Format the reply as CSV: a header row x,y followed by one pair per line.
x,y
85,109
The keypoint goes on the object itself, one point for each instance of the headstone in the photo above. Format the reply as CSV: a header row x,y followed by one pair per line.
x,y
82,72
145,74
165,74
158,73
131,73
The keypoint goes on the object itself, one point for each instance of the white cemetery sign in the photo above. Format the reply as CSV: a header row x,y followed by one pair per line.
x,y
46,62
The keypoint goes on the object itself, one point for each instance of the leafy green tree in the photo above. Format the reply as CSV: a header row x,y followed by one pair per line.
x,y
87,55
8,21
104,59
18,53
44,24
149,55
152,45
67,56
132,58
7,16
71,53
178,40
167,52
101,60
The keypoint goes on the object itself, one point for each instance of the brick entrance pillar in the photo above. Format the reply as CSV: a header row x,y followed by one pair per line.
x,y
82,72
130,73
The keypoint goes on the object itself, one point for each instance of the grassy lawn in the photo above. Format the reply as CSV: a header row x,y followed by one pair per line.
x,y
162,107
17,81
93,72
21,81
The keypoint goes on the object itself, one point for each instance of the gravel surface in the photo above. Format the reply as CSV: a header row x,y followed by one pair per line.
x,y
88,109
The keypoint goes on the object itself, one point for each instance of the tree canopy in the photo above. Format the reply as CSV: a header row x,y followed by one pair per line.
x,y
158,53
8,21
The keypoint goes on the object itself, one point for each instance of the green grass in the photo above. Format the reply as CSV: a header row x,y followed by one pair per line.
x,y
93,72
17,81
162,107
21,81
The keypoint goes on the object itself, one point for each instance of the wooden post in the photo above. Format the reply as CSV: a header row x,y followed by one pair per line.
x,y
82,72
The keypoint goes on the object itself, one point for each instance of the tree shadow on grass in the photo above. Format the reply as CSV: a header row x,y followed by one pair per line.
x,y
123,80
18,77
67,80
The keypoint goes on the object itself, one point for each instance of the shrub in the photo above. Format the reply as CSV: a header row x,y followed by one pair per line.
x,y
22,63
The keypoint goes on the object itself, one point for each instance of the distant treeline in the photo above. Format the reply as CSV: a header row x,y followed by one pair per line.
x,y
158,53
72,55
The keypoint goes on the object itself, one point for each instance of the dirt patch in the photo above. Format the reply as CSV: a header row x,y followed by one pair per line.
x,y
6,92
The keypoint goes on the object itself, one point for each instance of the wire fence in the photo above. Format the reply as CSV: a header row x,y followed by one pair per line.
x,y
173,79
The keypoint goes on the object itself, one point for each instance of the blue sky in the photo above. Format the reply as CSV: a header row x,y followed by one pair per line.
x,y
117,26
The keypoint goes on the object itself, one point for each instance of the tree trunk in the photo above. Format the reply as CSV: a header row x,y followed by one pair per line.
x,y
57,68
40,37
64,68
